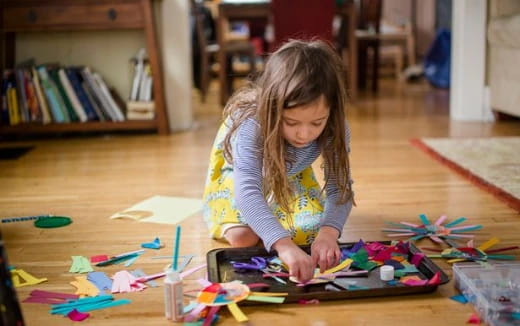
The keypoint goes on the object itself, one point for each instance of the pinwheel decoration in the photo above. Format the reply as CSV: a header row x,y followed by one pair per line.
x,y
216,295
437,231
470,253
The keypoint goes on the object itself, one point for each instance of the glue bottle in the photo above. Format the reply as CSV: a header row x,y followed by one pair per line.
x,y
173,296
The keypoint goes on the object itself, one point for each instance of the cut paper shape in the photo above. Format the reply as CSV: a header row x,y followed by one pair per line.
x,y
22,278
87,304
459,298
80,264
75,315
52,222
473,319
98,258
470,253
84,287
162,209
126,282
229,294
46,297
139,273
155,244
121,258
437,232
100,280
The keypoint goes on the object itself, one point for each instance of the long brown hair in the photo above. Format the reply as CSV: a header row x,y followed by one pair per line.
x,y
298,73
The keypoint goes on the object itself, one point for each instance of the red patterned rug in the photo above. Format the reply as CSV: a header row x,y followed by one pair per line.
x,y
491,163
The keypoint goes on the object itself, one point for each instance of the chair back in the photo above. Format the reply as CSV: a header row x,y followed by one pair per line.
x,y
302,19
370,12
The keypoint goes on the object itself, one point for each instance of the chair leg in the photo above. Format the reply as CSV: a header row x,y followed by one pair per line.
x,y
362,65
375,68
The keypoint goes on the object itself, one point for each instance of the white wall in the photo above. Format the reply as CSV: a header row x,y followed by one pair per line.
x,y
109,52
469,100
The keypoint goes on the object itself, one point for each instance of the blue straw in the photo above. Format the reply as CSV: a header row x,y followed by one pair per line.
x,y
176,248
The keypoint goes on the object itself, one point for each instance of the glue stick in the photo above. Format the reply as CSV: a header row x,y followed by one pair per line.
x,y
173,305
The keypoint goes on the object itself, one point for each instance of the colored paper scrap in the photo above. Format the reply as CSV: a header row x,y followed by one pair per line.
x,y
155,244
262,298
98,258
22,278
80,264
473,319
162,209
121,258
75,315
237,313
84,287
46,297
459,298
87,304
126,282
139,273
100,280
344,264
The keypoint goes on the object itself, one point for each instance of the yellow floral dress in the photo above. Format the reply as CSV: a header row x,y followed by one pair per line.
x,y
220,211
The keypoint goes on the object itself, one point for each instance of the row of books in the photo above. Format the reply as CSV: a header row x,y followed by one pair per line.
x,y
52,93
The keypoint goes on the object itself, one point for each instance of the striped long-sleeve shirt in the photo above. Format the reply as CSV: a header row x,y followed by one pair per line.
x,y
250,201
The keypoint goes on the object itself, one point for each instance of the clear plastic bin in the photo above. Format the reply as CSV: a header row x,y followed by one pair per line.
x,y
493,288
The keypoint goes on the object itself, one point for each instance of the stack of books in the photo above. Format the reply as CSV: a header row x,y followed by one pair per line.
x,y
140,105
52,93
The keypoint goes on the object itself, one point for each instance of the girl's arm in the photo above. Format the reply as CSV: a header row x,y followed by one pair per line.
x,y
250,201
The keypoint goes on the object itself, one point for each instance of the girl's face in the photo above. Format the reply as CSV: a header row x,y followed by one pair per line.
x,y
303,124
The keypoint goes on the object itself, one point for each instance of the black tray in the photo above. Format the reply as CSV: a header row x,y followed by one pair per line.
x,y
220,270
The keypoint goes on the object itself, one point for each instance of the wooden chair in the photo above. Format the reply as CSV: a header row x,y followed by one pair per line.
x,y
367,37
205,49
304,19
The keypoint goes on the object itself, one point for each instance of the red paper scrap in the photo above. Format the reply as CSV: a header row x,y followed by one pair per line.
x,y
98,258
473,319
75,315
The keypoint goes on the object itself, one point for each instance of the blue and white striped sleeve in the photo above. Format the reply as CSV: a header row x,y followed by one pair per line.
x,y
247,170
336,215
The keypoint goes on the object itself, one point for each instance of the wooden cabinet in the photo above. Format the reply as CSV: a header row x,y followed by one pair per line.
x,y
70,15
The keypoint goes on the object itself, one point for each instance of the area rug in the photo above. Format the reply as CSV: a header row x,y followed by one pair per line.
x,y
491,163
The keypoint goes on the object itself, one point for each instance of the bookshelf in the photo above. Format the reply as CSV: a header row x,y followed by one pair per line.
x,y
17,16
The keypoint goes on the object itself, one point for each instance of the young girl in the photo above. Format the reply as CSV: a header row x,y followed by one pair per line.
x,y
260,183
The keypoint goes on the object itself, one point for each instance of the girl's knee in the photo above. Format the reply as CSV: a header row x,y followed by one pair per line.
x,y
241,236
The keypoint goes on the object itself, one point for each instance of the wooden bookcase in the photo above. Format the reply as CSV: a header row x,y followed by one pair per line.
x,y
71,15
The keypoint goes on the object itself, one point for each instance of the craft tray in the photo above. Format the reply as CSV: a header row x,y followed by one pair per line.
x,y
485,285
220,270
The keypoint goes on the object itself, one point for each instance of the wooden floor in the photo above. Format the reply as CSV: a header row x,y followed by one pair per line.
x,y
90,178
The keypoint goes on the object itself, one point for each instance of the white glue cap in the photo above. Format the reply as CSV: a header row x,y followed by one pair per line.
x,y
387,272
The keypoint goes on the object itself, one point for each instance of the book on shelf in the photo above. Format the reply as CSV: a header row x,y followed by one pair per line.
x,y
48,93
140,105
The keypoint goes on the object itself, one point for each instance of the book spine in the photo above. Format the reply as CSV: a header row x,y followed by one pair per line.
x,y
22,98
104,89
81,94
74,101
69,112
44,108
96,92
57,113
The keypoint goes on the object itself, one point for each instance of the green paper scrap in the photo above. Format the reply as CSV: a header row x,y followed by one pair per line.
x,y
80,264
360,259
262,298
162,209
424,219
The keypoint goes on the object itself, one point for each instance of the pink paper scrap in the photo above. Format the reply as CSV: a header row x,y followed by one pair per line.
x,y
75,315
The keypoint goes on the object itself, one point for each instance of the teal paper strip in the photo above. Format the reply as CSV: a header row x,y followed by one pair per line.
x,y
469,228
424,219
457,221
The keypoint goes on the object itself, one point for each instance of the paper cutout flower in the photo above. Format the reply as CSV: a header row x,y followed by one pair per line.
x,y
470,253
437,232
216,295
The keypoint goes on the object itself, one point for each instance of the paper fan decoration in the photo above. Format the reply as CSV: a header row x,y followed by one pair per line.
x,y
216,295
470,253
437,232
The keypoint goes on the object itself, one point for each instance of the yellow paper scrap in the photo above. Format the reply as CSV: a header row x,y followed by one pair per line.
x,y
344,264
270,294
84,287
488,244
22,278
237,313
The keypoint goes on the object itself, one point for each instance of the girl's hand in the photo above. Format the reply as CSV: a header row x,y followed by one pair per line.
x,y
325,250
299,262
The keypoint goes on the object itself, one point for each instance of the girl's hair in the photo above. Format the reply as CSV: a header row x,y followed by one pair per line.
x,y
298,73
